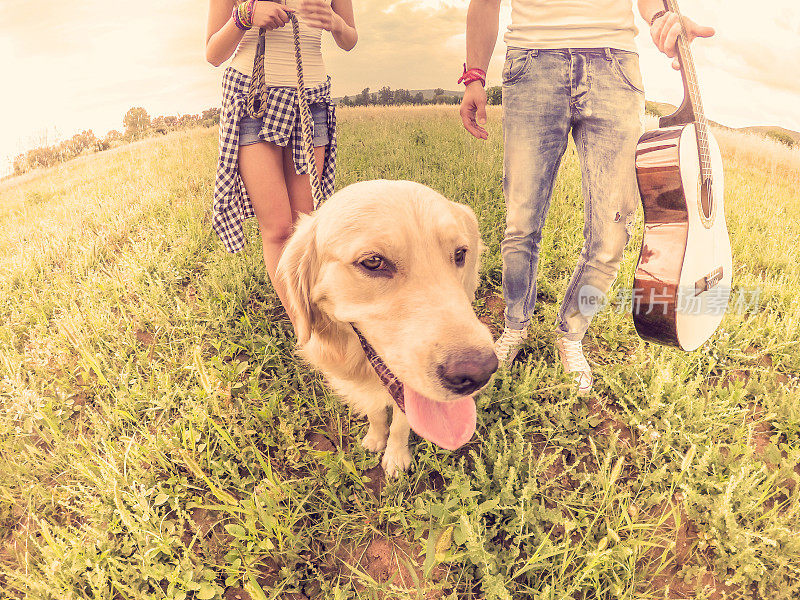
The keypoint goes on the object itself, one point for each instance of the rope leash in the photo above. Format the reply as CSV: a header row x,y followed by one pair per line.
x,y
257,102
392,384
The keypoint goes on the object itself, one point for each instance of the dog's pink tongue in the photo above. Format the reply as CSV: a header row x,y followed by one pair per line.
x,y
446,424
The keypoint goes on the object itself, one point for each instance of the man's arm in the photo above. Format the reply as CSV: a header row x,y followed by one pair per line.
x,y
666,28
483,18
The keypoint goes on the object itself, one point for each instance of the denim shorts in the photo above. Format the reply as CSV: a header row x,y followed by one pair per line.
x,y
250,128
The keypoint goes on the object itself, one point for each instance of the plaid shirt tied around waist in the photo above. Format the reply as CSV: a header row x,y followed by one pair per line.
x,y
232,205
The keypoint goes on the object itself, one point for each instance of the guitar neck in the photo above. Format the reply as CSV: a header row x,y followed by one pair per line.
x,y
691,90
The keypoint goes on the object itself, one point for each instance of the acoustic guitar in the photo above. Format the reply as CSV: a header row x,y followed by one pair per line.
x,y
684,275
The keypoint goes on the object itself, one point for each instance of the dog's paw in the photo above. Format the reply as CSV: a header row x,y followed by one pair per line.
x,y
375,440
395,460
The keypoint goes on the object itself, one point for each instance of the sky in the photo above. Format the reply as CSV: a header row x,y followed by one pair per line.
x,y
71,65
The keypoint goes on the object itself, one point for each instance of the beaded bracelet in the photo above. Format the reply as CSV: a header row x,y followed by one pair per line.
x,y
251,9
243,15
236,19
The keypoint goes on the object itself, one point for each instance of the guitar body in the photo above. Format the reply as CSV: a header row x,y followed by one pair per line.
x,y
684,275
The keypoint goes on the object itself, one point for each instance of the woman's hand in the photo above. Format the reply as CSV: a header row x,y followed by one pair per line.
x,y
270,15
666,29
319,14
336,17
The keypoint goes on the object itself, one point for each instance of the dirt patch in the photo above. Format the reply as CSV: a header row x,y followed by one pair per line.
x,y
145,337
609,424
14,548
320,442
433,482
761,363
733,377
209,530
235,593
393,560
491,314
377,481
191,295
81,404
760,432
674,547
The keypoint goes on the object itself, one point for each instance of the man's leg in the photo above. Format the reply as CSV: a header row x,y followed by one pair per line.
x,y
606,129
536,127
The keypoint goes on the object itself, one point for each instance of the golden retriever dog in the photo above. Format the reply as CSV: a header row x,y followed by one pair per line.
x,y
381,278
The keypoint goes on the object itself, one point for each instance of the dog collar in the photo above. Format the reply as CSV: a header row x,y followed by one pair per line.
x,y
392,384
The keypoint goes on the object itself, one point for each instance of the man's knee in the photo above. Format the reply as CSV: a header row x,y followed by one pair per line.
x,y
605,250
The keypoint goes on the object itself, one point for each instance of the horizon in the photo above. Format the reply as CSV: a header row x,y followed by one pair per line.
x,y
93,67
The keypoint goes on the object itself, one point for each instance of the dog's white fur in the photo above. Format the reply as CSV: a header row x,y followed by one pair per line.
x,y
413,314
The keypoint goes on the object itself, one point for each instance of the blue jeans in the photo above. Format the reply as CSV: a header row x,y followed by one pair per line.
x,y
250,128
597,95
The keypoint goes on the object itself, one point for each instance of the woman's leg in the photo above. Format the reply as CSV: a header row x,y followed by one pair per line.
x,y
298,186
261,169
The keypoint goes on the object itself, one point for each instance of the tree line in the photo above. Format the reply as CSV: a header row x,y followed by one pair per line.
x,y
386,96
138,124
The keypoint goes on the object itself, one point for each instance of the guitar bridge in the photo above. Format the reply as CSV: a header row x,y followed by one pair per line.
x,y
707,282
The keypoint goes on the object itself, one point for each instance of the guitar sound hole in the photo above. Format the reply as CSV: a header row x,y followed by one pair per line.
x,y
706,199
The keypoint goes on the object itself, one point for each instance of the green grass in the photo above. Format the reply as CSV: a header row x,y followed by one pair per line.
x,y
159,439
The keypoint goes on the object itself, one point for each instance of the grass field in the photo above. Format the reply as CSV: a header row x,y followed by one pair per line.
x,y
158,438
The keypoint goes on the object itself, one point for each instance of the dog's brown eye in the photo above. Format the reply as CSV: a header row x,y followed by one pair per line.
x,y
460,256
373,263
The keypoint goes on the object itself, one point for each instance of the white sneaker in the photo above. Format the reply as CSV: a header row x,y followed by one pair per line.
x,y
508,344
571,354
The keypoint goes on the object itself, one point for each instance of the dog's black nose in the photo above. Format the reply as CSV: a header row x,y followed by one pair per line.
x,y
465,372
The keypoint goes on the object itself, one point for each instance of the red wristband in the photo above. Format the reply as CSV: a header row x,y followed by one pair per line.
x,y
474,74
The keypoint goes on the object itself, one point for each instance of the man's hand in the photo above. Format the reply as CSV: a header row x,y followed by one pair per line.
x,y
473,110
666,29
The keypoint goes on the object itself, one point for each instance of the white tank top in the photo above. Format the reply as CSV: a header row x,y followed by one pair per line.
x,y
280,66
547,24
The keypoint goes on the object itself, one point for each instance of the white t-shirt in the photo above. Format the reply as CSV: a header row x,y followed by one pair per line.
x,y
280,65
546,24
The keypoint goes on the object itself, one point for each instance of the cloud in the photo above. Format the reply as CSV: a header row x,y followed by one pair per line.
x,y
82,65
408,44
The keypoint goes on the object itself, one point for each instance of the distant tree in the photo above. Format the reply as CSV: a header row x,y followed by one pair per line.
x,y
385,95
159,125
85,140
419,98
494,95
112,136
363,98
438,92
651,109
346,101
781,136
20,164
210,117
136,122
402,96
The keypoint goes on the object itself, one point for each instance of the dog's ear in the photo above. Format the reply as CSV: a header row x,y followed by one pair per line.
x,y
297,269
470,222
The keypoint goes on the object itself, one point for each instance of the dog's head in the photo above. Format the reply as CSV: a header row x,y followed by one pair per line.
x,y
400,262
